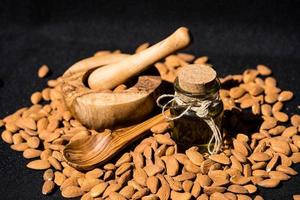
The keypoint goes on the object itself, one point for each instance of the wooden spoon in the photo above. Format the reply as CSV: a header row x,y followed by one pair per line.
x,y
85,154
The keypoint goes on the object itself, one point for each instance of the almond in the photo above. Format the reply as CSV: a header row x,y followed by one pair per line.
x,y
172,165
72,192
163,139
43,71
164,191
269,183
31,153
38,164
127,191
279,175
260,156
220,158
286,170
180,196
48,187
140,176
160,128
7,137
98,189
280,146
48,175
238,189
285,96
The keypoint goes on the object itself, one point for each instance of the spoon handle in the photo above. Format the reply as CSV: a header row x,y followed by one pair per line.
x,y
138,130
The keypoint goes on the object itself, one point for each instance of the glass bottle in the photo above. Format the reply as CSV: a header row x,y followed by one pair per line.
x,y
194,85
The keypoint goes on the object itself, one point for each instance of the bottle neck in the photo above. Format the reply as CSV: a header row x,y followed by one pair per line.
x,y
210,91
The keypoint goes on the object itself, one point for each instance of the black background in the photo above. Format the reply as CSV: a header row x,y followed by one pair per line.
x,y
234,34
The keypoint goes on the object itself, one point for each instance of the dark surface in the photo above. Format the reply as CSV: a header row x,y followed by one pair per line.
x,y
234,35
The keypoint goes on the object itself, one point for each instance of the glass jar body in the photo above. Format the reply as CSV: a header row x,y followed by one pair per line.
x,y
190,129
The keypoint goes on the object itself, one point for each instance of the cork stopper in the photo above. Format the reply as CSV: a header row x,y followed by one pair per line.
x,y
194,78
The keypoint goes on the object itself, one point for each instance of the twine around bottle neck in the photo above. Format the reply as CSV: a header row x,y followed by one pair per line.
x,y
201,108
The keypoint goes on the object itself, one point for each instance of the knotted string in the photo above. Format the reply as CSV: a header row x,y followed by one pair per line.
x,y
201,110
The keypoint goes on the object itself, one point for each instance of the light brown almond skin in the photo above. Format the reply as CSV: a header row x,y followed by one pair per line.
x,y
48,187
38,164
269,183
260,156
98,189
295,157
116,196
285,96
31,153
236,92
164,191
180,196
219,158
172,165
194,156
289,132
127,191
295,120
48,175
251,188
280,146
59,178
163,139
160,128
286,170
264,70
7,136
279,175
240,147
71,192
238,189
152,183
190,167
43,71
140,176
68,182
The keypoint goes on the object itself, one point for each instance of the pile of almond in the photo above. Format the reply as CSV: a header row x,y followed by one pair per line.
x,y
154,169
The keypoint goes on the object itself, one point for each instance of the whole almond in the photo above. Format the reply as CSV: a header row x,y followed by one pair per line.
x,y
98,189
140,193
54,163
48,187
163,139
43,71
286,170
295,120
239,180
295,157
220,158
33,142
279,175
271,97
48,175
7,137
116,196
263,70
160,128
191,167
285,96
89,183
140,176
95,173
240,147
152,183
71,192
38,164
194,156
260,156
36,97
127,191
203,180
280,146
289,132
238,189
240,157
212,189
269,183
272,163
123,168
31,153
124,159
180,196
59,178
251,188
281,116
236,92
296,140
172,165
164,191
152,170
269,123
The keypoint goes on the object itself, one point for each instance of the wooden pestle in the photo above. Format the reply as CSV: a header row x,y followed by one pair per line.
x,y
112,75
